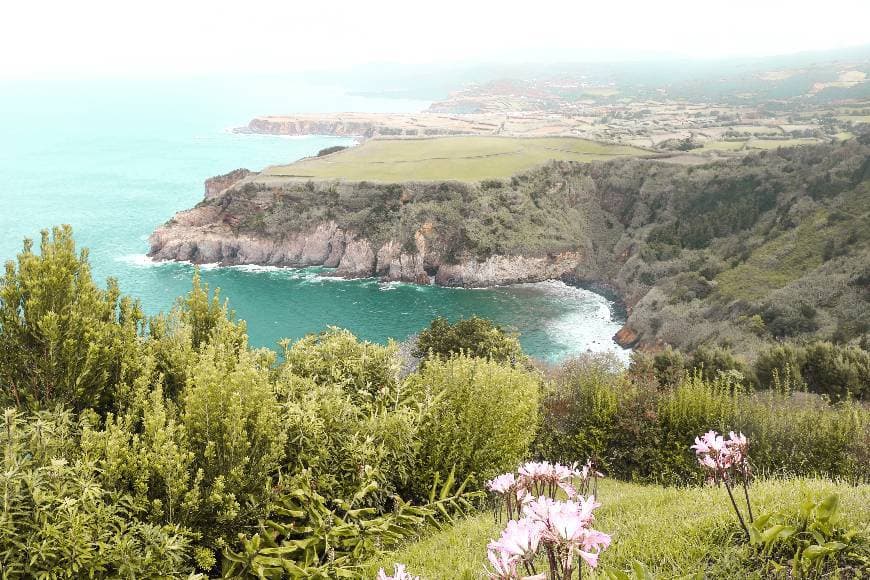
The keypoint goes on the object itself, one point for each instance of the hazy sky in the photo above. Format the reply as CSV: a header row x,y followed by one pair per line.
x,y
45,39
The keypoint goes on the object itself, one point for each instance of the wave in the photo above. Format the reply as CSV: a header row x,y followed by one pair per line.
x,y
139,260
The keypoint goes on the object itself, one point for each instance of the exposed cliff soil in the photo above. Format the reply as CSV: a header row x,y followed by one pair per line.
x,y
738,252
214,186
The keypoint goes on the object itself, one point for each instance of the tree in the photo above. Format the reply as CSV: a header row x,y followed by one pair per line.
x,y
475,337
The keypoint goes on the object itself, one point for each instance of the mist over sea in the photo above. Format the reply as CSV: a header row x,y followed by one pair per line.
x,y
116,159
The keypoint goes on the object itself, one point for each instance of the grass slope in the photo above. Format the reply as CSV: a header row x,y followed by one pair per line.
x,y
459,158
673,531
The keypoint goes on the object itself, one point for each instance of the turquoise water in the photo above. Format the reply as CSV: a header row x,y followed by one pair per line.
x,y
116,159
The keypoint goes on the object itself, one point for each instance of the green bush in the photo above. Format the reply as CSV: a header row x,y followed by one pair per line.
x,y
479,418
63,340
232,421
363,369
57,520
583,399
639,430
477,337
837,371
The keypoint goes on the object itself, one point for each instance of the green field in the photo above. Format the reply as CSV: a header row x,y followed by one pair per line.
x,y
674,531
459,158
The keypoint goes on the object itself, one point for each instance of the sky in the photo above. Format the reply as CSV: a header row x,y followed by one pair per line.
x,y
108,38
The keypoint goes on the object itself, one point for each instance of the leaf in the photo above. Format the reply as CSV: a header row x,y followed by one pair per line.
x,y
828,507
814,551
641,572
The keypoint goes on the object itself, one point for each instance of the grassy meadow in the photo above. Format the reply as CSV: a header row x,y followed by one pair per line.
x,y
674,531
455,158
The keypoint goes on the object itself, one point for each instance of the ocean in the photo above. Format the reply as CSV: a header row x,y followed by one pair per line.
x,y
115,159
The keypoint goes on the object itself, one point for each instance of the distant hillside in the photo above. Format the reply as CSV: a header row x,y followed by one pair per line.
x,y
771,245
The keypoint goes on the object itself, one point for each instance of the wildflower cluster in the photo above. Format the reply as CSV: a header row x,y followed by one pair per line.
x,y
560,530
535,479
726,461
399,573
723,458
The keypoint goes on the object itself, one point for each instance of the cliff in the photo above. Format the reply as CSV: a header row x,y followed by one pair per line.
x,y
210,234
769,246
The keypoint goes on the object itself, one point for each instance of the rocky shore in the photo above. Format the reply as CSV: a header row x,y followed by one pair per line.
x,y
201,236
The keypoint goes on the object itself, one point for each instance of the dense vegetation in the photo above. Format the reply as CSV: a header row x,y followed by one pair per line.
x,y
164,446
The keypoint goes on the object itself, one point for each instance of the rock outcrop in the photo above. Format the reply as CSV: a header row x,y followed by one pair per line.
x,y
193,237
217,231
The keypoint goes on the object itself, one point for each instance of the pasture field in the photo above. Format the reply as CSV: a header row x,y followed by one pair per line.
x,y
674,531
724,145
469,158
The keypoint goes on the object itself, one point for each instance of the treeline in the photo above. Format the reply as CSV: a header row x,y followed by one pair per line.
x,y
834,371
166,446
635,423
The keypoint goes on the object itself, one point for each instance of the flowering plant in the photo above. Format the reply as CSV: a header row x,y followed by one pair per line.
x,y
727,461
560,530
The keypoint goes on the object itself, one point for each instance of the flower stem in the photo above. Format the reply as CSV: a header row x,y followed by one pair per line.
x,y
736,509
748,504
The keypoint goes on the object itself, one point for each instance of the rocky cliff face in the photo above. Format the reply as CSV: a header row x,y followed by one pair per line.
x,y
199,236
217,231
678,246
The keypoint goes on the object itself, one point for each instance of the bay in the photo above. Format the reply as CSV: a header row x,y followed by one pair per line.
x,y
117,158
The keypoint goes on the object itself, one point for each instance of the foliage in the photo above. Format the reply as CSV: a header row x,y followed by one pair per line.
x,y
364,370
637,428
476,337
329,150
62,339
230,416
479,417
837,371
814,546
182,448
59,521
308,536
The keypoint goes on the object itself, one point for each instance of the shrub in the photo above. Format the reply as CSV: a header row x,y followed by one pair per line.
x,y
582,399
837,371
231,419
713,362
62,339
59,521
639,429
364,370
329,150
477,337
342,443
479,418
